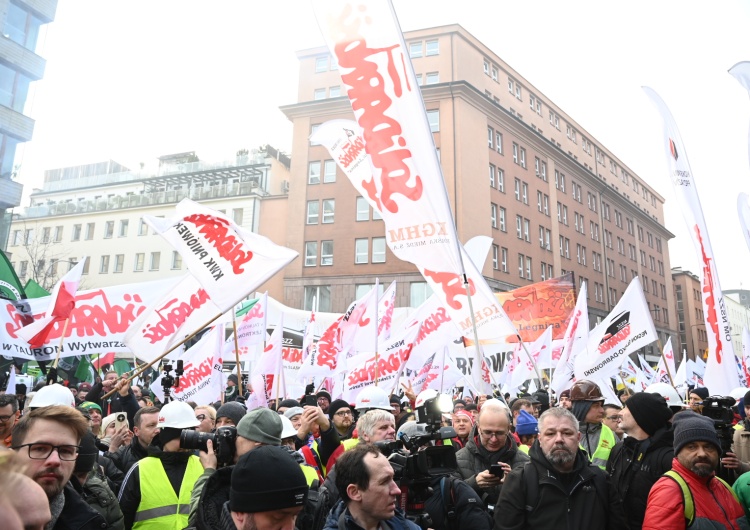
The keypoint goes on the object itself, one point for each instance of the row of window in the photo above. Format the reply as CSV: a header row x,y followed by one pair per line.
x,y
366,250
525,264
318,297
106,262
315,216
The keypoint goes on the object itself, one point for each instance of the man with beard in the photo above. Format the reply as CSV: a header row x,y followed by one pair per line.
x,y
596,438
645,454
559,487
490,443
47,441
691,491
342,418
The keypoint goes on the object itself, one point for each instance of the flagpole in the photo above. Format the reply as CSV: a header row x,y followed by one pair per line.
x,y
533,363
237,354
280,365
666,365
62,339
377,371
442,370
160,357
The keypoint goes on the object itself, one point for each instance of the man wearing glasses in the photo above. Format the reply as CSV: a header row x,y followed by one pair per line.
x,y
612,419
46,441
8,417
490,444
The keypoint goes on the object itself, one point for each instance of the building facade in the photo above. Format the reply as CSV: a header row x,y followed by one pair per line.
x,y
20,65
517,169
691,323
739,319
96,211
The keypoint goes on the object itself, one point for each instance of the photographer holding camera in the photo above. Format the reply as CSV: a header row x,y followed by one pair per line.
x,y
739,459
156,491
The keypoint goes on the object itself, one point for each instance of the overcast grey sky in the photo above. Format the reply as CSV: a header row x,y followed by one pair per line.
x,y
138,79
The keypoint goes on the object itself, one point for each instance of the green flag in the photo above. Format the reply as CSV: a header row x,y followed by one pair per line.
x,y
85,372
10,285
34,290
246,306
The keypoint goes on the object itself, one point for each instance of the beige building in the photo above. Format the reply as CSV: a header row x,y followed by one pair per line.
x,y
517,169
690,317
96,211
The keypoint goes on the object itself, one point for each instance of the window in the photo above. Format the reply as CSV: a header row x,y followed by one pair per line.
x,y
490,137
560,181
596,261
581,254
658,245
565,247
492,176
330,171
363,209
631,252
313,173
521,265
109,228
378,250
329,207
618,219
311,253
321,64
320,295
155,259
594,230
515,153
419,79
504,259
176,260
28,236
119,262
523,157
526,231
23,270
142,228
89,231
361,250
519,227
499,142
501,218
544,237
419,292
643,258
45,234
577,193
138,263
565,215
501,180
495,257
415,49
433,118
104,265
623,274
16,239
605,213
319,93
571,133
432,47
432,78
517,189
326,252
313,212
493,214
486,67
334,91
620,246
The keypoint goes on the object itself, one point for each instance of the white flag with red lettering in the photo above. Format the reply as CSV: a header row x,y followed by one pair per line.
x,y
251,330
386,305
721,372
541,347
228,261
186,308
438,372
648,373
575,339
266,378
665,371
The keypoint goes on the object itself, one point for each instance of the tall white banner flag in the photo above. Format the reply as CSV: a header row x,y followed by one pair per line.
x,y
743,211
575,339
741,72
721,371
665,372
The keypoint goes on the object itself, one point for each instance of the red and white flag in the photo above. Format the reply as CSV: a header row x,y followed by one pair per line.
x,y
438,372
62,303
186,308
648,373
627,328
228,261
386,305
540,348
721,372
746,353
308,338
664,372
266,379
575,340
251,330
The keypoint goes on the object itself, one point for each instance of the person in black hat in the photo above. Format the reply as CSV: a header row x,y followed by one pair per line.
x,y
644,455
696,397
341,416
231,393
739,459
230,414
697,449
324,400
268,489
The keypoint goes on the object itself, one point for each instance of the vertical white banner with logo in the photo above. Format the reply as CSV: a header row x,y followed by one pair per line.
x,y
721,372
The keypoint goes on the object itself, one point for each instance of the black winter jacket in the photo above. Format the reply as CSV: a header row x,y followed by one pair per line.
x,y
127,455
115,402
339,519
467,504
474,459
635,466
77,515
582,499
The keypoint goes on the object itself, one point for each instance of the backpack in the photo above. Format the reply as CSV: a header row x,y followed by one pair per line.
x,y
315,511
687,496
531,485
448,495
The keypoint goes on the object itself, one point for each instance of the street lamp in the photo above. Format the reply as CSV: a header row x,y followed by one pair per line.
x,y
692,338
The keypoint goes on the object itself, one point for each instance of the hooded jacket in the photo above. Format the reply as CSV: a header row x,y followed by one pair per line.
x,y
474,459
97,494
635,466
77,515
583,498
715,505
340,518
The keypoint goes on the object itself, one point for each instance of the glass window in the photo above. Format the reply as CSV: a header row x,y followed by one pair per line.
x,y
176,260
321,64
330,171
432,47
313,212
119,262
109,228
363,209
142,228
361,250
138,264
155,259
326,252
90,231
419,292
334,92
123,228
378,250
104,265
313,173
318,297
329,207
433,117
58,234
311,253
432,77
415,49
361,289
320,93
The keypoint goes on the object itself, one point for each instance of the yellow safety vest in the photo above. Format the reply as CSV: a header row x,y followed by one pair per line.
x,y
607,441
310,474
524,448
160,508
351,442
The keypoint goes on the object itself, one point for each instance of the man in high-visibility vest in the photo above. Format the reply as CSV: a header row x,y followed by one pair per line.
x,y
156,491
596,438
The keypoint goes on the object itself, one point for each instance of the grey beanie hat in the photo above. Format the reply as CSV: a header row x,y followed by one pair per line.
x,y
232,410
692,427
292,412
261,425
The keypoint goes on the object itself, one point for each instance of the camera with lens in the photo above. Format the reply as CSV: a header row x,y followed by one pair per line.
x,y
719,409
168,381
223,441
417,463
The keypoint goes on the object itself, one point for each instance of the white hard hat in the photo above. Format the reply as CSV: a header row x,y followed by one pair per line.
x,y
666,391
54,394
287,429
424,395
738,393
373,398
177,415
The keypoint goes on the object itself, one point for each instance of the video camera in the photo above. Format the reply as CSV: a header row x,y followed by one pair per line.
x,y
168,381
223,441
416,462
719,409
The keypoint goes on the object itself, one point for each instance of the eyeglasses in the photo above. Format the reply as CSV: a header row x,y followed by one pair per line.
x,y
4,419
41,451
613,418
491,434
343,413
200,417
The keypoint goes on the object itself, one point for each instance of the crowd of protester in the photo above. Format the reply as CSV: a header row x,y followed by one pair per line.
x,y
73,459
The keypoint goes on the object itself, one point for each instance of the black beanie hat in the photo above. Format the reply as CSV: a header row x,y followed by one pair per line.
x,y
690,426
650,411
232,410
87,454
232,378
266,479
701,391
747,399
167,434
289,403
323,394
335,406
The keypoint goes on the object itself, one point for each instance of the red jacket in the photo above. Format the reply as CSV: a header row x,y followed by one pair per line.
x,y
712,500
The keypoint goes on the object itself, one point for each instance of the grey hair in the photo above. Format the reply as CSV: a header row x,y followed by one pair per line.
x,y
369,420
557,412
